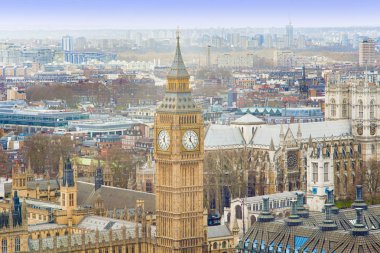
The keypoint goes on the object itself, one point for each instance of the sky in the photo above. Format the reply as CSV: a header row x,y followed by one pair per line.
x,y
156,14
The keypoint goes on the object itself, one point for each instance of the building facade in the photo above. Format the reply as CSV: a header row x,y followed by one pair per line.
x,y
178,146
367,53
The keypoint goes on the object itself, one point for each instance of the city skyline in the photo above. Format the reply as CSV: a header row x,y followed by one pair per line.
x,y
147,14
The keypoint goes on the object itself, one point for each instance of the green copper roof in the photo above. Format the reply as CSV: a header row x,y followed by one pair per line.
x,y
178,68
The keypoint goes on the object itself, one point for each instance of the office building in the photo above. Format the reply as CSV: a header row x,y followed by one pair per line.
x,y
67,43
367,53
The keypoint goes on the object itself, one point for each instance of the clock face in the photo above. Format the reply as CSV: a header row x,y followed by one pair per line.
x,y
190,140
164,140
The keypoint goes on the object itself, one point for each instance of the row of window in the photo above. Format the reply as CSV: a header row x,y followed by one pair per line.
x,y
4,245
71,199
325,172
259,206
38,216
345,109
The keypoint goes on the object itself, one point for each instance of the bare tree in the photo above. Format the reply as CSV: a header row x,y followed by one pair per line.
x,y
371,179
45,150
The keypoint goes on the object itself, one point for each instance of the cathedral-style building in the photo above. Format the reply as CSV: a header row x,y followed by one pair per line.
x,y
311,156
177,222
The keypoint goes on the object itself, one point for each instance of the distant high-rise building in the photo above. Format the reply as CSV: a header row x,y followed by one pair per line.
x,y
367,52
268,41
80,43
289,35
67,43
208,60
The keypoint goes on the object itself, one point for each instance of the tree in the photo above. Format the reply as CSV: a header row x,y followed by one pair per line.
x,y
225,175
371,179
44,151
122,165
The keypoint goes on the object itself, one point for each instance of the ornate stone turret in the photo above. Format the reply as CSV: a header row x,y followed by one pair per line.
x,y
235,231
282,135
108,175
60,168
68,174
271,146
299,133
98,176
17,212
179,149
68,191
310,141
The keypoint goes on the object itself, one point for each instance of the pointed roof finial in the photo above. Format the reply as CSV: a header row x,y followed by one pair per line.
x,y
271,146
178,68
177,34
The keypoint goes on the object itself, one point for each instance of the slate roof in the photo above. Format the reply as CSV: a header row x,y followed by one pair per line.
x,y
93,224
335,128
218,231
248,119
223,135
43,184
114,197
178,68
277,236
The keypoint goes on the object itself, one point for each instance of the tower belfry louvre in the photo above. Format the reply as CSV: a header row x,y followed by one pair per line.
x,y
179,154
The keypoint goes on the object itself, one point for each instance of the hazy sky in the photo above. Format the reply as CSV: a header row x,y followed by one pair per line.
x,y
148,14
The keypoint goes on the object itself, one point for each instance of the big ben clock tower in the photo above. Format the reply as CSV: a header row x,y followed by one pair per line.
x,y
178,150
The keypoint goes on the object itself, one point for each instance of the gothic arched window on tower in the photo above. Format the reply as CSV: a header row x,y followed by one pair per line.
x,y
4,246
333,109
17,244
361,109
372,109
238,212
344,108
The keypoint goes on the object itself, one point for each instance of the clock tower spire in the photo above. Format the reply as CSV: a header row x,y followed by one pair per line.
x,y
178,150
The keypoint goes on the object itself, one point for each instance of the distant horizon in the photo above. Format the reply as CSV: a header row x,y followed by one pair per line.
x,y
188,14
187,28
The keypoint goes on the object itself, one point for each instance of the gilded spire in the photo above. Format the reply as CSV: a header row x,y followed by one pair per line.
x,y
178,68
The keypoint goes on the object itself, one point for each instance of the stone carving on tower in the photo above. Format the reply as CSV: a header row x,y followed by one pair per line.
x,y
179,154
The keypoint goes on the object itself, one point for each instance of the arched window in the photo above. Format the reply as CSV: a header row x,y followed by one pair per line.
x,y
333,109
4,246
361,109
17,244
253,219
224,244
238,212
344,108
372,109
215,245
148,186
